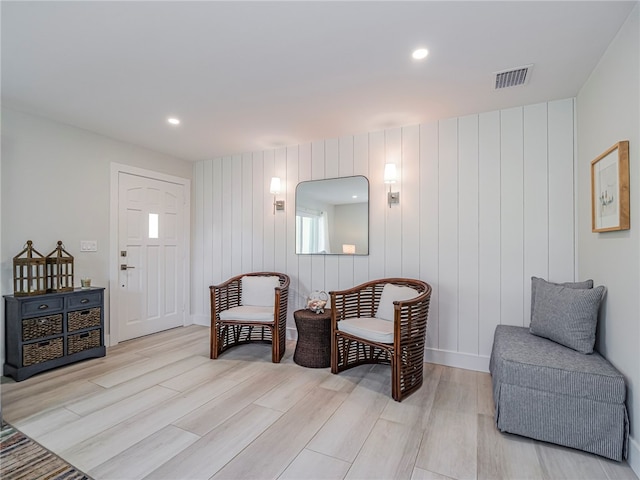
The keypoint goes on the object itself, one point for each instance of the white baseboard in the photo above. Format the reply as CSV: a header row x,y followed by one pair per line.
x,y
204,320
467,361
634,456
292,333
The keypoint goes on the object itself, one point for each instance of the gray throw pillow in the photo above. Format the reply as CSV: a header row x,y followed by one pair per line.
x,y
535,281
565,313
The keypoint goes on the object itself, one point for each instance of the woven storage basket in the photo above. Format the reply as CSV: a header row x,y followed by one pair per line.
x,y
35,353
40,327
83,319
83,341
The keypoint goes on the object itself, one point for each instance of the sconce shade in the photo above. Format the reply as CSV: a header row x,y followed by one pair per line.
x,y
390,173
348,249
275,186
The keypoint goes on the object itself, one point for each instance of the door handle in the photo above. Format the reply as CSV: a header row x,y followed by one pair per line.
x,y
125,267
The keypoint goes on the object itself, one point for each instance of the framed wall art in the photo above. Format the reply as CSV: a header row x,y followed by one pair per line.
x,y
610,189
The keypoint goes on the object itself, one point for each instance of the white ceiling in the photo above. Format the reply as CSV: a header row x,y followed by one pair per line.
x,y
249,76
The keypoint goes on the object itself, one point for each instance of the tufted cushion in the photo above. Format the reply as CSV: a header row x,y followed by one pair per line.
x,y
391,293
565,314
248,313
368,328
259,291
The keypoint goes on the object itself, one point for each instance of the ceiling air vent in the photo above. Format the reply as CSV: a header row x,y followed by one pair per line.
x,y
513,77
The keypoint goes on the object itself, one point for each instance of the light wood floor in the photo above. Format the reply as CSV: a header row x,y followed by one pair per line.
x,y
158,408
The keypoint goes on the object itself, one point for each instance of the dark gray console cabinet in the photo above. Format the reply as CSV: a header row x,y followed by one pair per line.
x,y
46,331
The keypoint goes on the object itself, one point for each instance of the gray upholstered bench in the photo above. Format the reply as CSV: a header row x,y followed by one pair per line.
x,y
552,393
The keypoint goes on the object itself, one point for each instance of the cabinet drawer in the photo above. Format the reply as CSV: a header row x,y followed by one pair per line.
x,y
39,327
85,300
34,353
84,341
83,319
42,306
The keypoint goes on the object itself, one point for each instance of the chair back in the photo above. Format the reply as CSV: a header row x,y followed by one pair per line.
x,y
229,294
237,330
363,300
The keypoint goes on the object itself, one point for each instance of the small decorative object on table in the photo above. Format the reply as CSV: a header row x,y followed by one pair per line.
x,y
29,272
317,300
59,270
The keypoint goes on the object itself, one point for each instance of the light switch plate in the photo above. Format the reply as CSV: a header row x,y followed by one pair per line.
x,y
88,245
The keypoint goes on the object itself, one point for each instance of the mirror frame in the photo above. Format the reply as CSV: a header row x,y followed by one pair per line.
x,y
368,190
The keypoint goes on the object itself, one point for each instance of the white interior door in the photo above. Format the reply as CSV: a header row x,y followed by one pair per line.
x,y
151,219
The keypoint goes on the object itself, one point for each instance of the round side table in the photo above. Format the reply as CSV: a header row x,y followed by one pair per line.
x,y
313,348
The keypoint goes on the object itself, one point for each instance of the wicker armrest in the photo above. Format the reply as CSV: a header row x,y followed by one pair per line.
x,y
363,300
360,301
226,295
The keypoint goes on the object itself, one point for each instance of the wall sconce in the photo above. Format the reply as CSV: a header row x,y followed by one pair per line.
x,y
390,176
274,189
348,249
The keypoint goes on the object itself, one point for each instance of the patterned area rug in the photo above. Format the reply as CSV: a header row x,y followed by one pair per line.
x,y
23,459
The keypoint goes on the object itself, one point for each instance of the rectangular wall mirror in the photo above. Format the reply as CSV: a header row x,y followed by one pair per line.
x,y
332,216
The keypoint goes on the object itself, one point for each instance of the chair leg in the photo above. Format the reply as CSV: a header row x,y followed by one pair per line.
x,y
275,358
276,348
396,394
213,354
334,353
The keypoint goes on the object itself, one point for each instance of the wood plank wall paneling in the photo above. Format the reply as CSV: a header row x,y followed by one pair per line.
x,y
429,207
561,188
260,192
489,229
448,240
292,163
410,169
247,213
511,217
536,199
345,271
468,262
361,167
486,201
393,220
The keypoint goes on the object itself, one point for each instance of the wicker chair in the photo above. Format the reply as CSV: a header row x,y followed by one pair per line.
x,y
376,323
257,314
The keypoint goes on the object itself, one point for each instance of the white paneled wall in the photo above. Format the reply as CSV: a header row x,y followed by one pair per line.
x,y
486,201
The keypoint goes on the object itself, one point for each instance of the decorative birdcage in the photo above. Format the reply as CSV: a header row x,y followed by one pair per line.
x,y
29,272
59,270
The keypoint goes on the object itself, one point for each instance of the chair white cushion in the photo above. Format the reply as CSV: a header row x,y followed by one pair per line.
x,y
259,291
391,293
248,314
368,328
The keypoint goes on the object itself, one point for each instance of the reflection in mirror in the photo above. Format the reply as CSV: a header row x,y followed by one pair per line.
x,y
332,216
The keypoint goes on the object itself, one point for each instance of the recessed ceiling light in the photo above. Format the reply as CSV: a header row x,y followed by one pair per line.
x,y
420,53
354,196
173,121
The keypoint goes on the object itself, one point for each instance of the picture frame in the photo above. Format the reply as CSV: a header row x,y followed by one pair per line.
x,y
610,189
